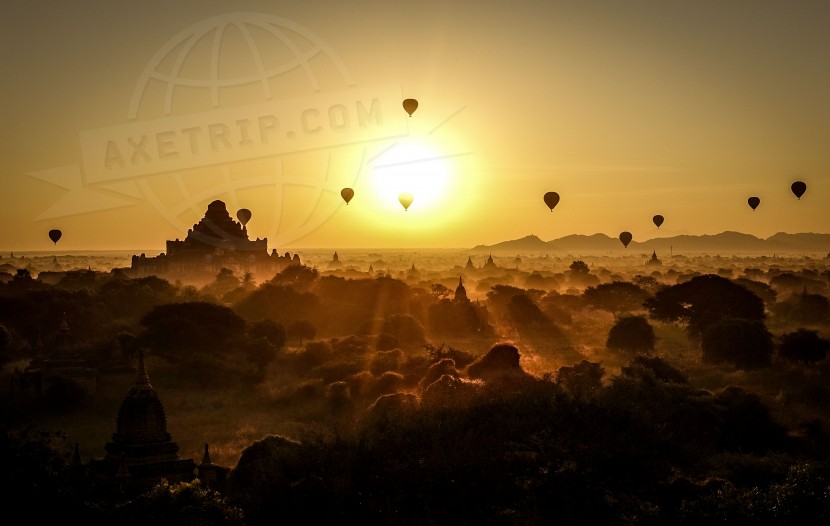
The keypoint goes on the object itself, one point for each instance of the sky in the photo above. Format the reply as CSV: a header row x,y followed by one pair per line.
x,y
122,121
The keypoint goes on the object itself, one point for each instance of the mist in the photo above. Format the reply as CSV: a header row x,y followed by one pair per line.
x,y
431,386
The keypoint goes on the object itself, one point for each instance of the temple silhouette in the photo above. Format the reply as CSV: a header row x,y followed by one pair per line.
x,y
217,241
654,261
142,452
58,360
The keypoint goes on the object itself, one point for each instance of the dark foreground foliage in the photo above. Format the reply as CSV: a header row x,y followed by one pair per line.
x,y
643,447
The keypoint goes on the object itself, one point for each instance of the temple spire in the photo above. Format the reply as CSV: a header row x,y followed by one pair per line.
x,y
460,292
142,379
206,460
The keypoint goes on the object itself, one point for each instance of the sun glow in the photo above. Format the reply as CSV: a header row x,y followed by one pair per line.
x,y
414,168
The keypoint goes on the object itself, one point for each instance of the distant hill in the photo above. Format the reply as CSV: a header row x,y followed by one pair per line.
x,y
526,244
581,243
723,243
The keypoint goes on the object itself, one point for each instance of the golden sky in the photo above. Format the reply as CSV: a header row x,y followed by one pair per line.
x,y
122,121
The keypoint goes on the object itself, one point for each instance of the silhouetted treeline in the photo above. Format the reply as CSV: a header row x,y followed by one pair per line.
x,y
587,396
494,445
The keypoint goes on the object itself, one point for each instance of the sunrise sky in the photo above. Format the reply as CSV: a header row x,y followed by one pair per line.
x,y
123,120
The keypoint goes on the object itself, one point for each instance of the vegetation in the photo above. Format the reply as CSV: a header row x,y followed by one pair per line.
x,y
591,395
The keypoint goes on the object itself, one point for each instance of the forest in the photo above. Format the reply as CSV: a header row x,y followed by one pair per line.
x,y
529,391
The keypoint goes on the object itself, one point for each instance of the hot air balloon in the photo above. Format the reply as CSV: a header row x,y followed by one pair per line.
x,y
410,105
625,237
244,215
55,235
405,199
347,194
798,188
551,199
753,202
658,220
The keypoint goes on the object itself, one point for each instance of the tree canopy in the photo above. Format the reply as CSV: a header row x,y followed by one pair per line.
x,y
703,301
615,297
179,329
631,333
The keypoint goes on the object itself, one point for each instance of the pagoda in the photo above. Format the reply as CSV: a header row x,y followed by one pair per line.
x,y
142,452
460,292
654,261
217,241
60,361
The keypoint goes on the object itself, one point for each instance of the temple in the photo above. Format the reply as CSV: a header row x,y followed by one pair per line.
x,y
60,361
142,452
654,261
460,292
469,265
215,242
490,264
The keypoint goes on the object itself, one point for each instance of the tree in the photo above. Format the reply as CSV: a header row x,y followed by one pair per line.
x,y
632,334
454,319
582,378
270,330
761,289
647,283
748,424
703,301
579,267
349,305
280,303
405,328
35,468
501,362
500,295
298,277
529,319
302,330
225,282
248,282
439,291
182,330
132,298
580,275
655,366
745,344
182,503
560,307
804,346
615,297
787,282
804,308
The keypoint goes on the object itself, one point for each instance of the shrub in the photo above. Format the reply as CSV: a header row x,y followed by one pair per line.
x,y
745,344
632,334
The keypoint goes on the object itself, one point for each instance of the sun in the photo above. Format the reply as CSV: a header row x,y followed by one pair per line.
x,y
412,167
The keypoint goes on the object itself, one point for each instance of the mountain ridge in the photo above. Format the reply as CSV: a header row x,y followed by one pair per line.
x,y
724,242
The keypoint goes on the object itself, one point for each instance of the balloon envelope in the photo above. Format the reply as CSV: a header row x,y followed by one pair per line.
x,y
798,188
658,220
55,235
625,237
753,202
405,199
347,194
551,199
410,105
244,215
